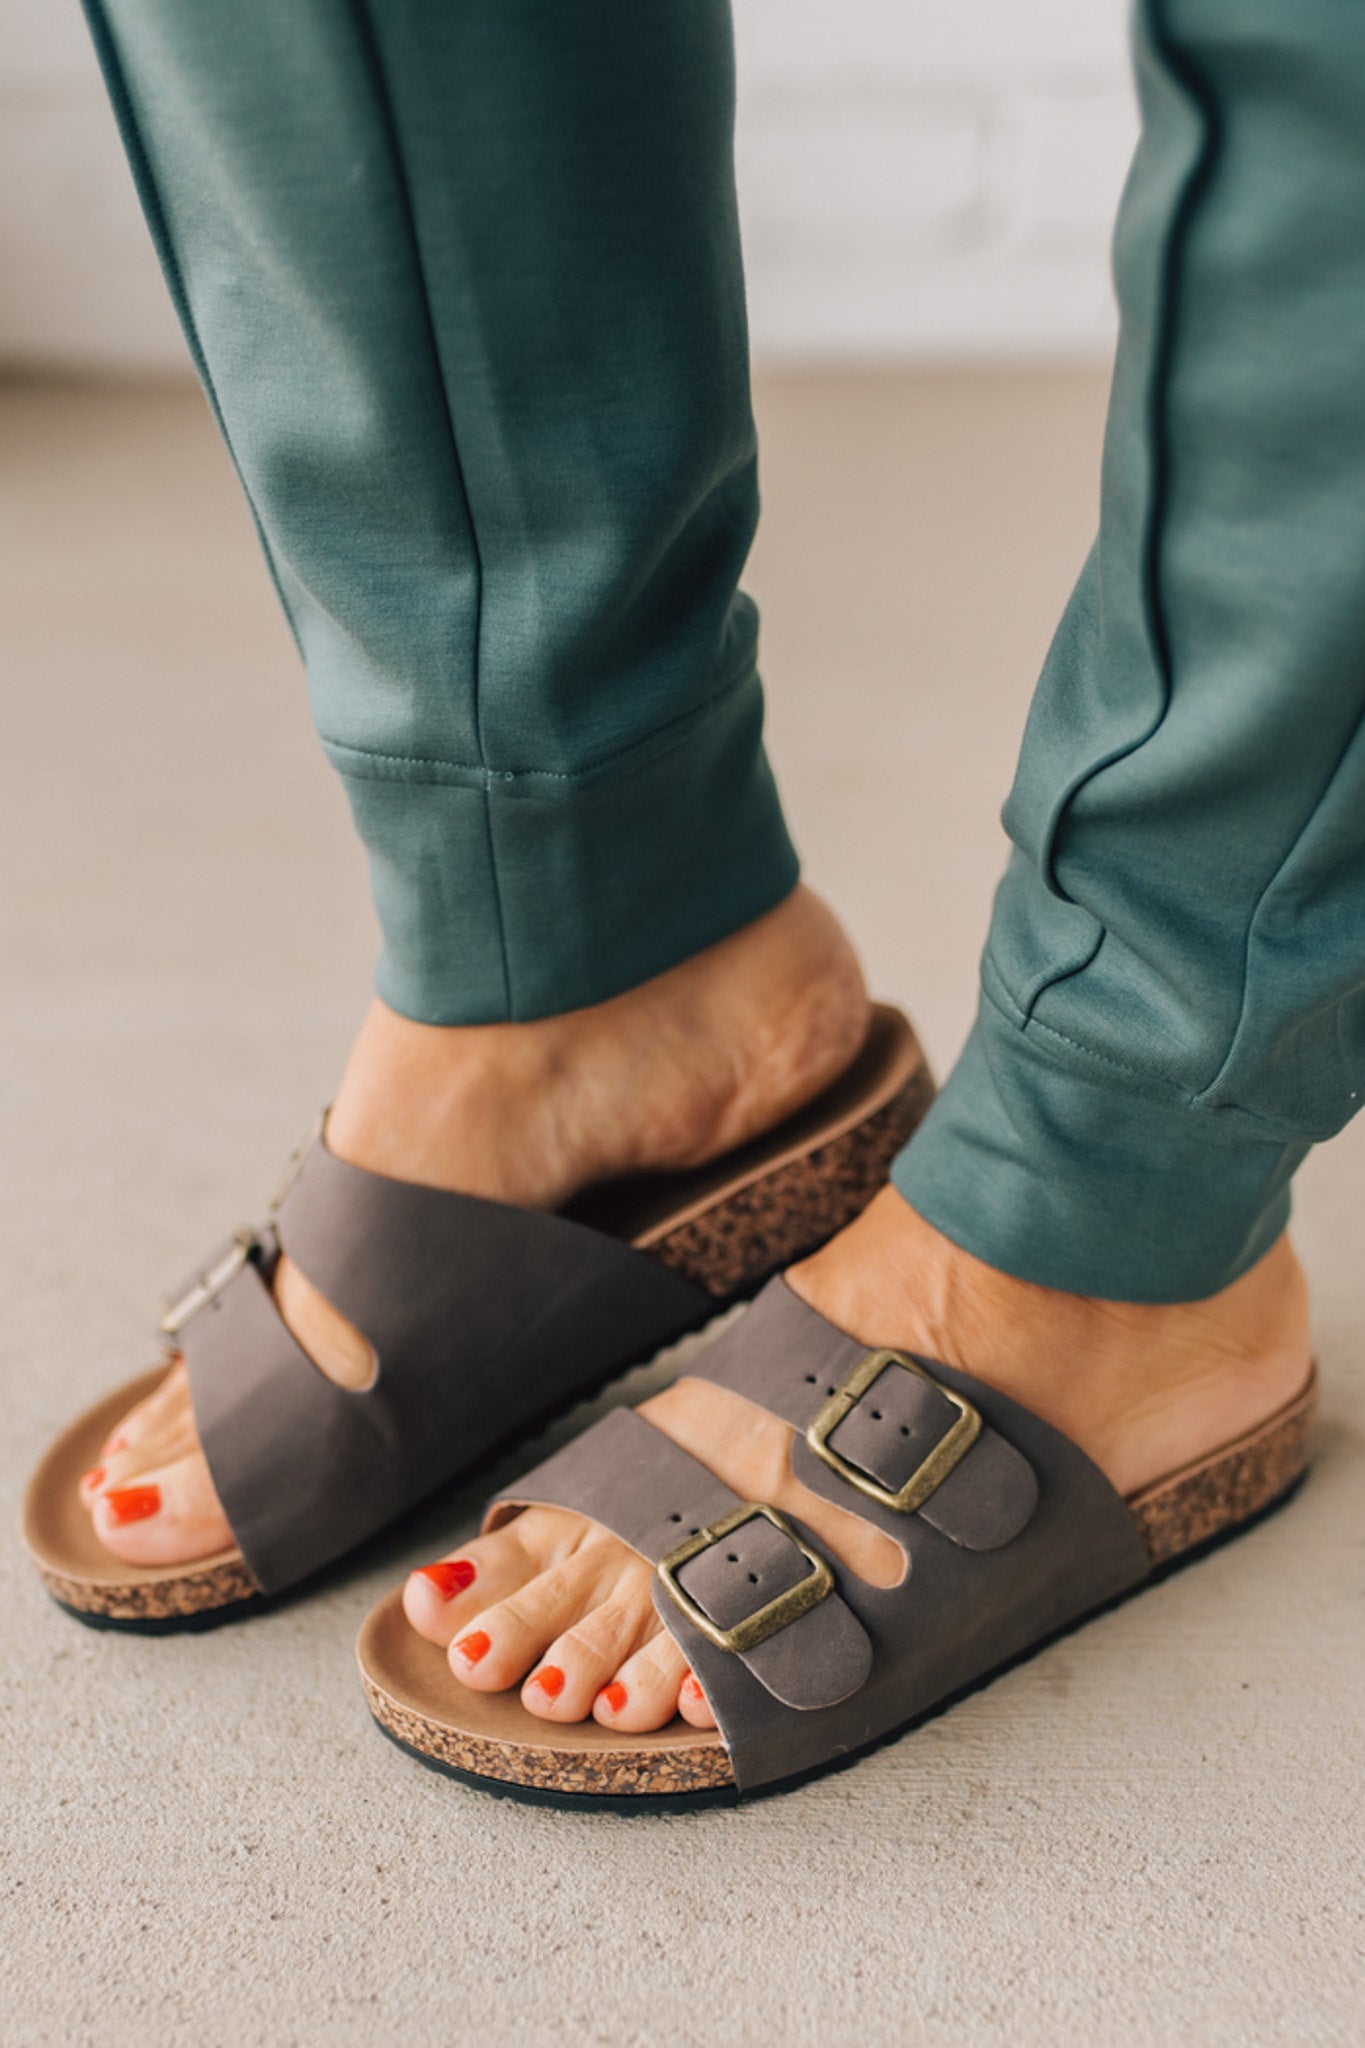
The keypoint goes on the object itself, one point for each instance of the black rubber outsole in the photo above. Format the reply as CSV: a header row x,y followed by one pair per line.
x,y
731,1795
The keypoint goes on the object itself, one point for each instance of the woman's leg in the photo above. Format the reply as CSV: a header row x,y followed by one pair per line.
x,y
1092,1217
463,285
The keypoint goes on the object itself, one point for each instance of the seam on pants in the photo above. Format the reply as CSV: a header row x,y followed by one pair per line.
x,y
125,114
1211,1087
674,732
1196,183
370,42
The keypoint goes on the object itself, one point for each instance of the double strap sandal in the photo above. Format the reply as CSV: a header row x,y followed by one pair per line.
x,y
1010,1537
485,1322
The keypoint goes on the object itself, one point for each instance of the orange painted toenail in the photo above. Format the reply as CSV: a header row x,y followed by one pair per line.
x,y
472,1648
449,1577
692,1691
94,1477
615,1696
550,1679
133,1503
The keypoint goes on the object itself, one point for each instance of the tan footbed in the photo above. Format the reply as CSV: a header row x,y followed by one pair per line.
x,y
413,1695
725,1226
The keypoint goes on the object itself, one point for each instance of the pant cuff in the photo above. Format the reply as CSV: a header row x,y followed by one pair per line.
x,y
504,897
1063,1175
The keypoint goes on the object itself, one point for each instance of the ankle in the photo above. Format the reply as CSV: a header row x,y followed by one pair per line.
x,y
1140,1387
664,1076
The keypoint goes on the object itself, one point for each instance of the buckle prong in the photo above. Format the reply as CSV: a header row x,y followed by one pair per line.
x,y
931,1472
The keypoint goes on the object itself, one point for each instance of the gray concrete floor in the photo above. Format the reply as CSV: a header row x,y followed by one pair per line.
x,y
1151,1835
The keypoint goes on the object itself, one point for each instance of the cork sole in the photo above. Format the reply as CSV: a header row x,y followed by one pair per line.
x,y
727,1226
490,1741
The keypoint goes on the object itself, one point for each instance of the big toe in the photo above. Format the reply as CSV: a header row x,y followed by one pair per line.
x,y
169,1514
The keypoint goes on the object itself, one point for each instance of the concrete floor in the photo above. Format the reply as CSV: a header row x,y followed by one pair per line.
x,y
1151,1835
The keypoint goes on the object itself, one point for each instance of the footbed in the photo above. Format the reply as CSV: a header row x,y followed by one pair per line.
x,y
59,1533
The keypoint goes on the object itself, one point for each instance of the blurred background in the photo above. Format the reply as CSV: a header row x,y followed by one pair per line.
x,y
208,1843
917,180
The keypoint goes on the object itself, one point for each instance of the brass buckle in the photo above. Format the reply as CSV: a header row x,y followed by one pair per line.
x,y
960,1437
209,1285
294,1167
755,1628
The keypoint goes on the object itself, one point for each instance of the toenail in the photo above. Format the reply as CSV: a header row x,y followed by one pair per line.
x,y
94,1477
115,1445
449,1577
550,1679
475,1646
614,1696
692,1691
133,1503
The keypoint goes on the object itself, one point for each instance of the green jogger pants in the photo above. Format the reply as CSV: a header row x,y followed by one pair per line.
x,y
464,288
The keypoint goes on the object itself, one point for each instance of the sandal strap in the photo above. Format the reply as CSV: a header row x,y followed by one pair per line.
x,y
885,1433
726,1569
455,1294
972,1599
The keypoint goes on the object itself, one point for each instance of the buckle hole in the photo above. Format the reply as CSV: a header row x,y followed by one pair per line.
x,y
876,1414
732,1557
753,1578
677,1518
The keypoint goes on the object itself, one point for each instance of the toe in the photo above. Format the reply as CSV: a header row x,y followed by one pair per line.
x,y
442,1599
578,1664
643,1693
168,1515
503,1641
692,1703
144,1422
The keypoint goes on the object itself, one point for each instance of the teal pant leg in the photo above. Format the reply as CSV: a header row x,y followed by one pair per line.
x,y
463,284
1173,989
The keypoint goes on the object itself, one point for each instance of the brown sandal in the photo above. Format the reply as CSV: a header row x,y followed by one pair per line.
x,y
1012,1537
545,1309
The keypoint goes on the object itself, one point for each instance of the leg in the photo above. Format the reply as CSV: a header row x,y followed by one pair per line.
x,y
464,290
1092,1217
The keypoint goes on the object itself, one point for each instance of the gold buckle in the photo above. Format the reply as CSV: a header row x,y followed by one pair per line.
x,y
755,1628
946,1453
300,1152
209,1285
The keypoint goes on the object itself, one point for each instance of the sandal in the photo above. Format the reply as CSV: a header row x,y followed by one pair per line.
x,y
1012,1537
486,1320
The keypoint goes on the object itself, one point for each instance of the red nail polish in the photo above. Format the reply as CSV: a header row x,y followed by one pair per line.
x,y
450,1577
550,1679
133,1503
692,1691
614,1695
93,1478
475,1646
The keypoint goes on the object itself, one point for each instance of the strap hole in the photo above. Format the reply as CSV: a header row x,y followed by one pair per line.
x,y
810,1379
676,1518
732,1557
876,1414
905,1429
753,1578
694,1532
829,1392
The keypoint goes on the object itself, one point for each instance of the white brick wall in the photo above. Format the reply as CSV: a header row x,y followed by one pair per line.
x,y
917,178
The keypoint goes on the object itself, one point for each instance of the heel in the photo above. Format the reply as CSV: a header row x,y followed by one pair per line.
x,y
755,1229
1232,1486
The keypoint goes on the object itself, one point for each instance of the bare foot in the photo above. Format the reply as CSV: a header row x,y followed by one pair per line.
x,y
554,1604
669,1075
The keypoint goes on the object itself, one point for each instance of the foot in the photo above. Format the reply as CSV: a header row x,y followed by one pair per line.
x,y
554,1604
667,1076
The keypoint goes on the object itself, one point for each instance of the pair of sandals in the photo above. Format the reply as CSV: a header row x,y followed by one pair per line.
x,y
487,1321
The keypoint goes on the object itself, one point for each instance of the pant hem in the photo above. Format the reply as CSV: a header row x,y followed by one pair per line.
x,y
1061,1176
505,898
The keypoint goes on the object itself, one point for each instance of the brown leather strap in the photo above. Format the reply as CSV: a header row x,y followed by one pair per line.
x,y
632,1479
973,1597
484,1319
786,1358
